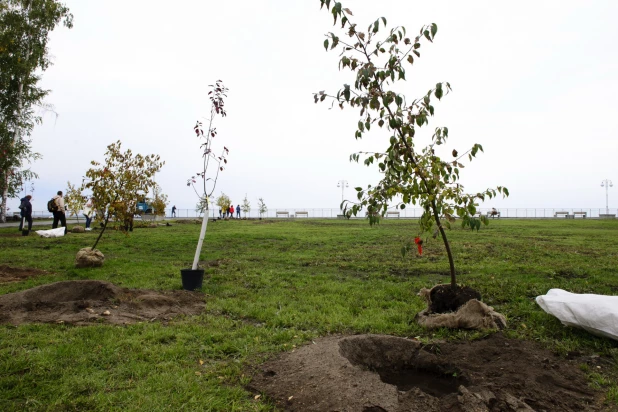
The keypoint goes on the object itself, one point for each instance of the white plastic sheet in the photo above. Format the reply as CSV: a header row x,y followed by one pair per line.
x,y
58,232
598,314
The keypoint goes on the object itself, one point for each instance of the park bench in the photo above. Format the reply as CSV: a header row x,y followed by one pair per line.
x,y
566,214
496,214
283,214
582,214
392,213
306,214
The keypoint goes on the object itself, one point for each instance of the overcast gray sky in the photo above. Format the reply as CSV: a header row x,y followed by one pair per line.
x,y
534,82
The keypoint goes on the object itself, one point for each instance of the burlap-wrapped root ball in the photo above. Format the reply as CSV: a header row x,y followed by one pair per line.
x,y
88,258
78,229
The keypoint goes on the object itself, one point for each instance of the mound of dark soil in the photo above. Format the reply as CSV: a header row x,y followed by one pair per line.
x,y
9,274
82,302
445,299
371,373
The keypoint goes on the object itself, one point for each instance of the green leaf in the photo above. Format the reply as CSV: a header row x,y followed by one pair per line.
x,y
326,44
346,92
335,42
410,59
472,209
434,29
384,21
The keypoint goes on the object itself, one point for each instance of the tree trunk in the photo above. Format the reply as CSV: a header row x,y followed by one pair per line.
x,y
446,245
6,173
101,234
200,242
5,193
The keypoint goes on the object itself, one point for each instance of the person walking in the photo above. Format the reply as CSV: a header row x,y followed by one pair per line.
x,y
238,211
59,215
25,212
232,211
220,212
174,211
89,212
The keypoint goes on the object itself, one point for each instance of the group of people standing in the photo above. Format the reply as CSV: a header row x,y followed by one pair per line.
x,y
59,212
229,212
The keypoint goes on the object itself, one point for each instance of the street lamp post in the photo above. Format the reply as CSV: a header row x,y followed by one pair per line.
x,y
607,184
342,184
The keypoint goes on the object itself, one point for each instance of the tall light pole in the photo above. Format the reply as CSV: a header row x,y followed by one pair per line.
x,y
607,184
342,184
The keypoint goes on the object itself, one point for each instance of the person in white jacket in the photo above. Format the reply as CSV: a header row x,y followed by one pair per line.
x,y
89,212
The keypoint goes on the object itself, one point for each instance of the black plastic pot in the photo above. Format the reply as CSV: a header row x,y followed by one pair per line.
x,y
192,279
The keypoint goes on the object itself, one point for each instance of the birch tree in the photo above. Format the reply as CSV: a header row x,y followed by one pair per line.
x,y
25,26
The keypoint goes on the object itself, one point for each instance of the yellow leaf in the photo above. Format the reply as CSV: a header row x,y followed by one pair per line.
x,y
201,362
257,397
198,373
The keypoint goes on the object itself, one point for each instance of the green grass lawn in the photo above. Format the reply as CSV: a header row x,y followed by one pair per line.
x,y
271,285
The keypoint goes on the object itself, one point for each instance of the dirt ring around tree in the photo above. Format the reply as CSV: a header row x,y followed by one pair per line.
x,y
84,302
10,274
377,373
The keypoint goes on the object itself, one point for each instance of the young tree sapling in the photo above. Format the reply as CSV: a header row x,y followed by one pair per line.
x,y
412,175
116,184
245,207
262,207
216,95
74,200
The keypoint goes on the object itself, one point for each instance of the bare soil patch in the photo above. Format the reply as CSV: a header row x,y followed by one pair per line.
x,y
263,221
10,234
377,373
83,302
9,274
188,222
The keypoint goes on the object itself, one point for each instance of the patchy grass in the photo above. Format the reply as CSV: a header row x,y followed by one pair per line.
x,y
273,284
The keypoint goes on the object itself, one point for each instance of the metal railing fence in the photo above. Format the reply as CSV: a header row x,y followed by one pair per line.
x,y
408,213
